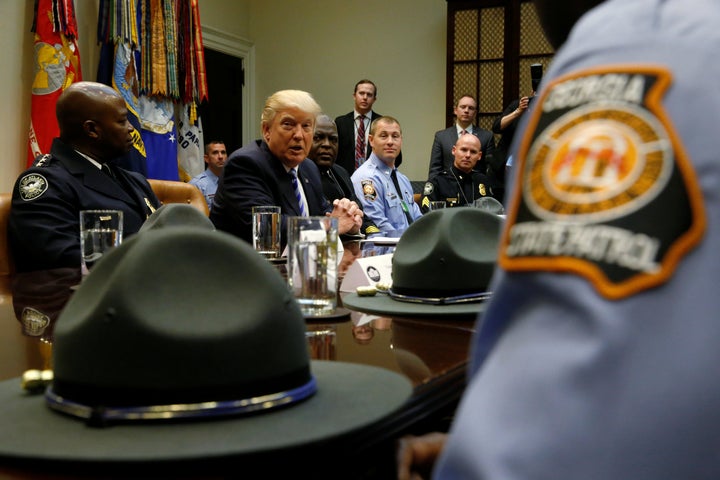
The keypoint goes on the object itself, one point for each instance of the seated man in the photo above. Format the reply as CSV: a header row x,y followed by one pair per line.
x,y
272,171
336,181
207,181
78,174
460,184
386,194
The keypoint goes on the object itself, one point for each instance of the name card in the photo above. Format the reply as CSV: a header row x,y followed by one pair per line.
x,y
368,271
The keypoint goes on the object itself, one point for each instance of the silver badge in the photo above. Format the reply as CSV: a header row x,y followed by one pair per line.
x,y
31,186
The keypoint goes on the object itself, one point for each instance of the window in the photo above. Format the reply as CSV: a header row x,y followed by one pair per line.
x,y
491,45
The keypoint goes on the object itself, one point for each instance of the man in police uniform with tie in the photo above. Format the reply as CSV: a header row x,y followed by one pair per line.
x,y
386,194
78,174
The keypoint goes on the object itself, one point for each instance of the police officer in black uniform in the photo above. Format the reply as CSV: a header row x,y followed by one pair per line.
x,y
78,174
460,185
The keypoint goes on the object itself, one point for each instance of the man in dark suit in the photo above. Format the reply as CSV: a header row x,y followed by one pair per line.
x,y
261,173
78,174
441,157
336,181
365,94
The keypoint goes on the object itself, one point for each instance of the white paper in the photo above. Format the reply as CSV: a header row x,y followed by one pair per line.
x,y
368,271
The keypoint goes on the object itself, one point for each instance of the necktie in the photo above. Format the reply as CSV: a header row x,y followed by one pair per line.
x,y
404,205
336,187
360,143
298,193
463,132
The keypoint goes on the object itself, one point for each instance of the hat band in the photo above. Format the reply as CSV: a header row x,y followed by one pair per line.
x,y
435,300
100,415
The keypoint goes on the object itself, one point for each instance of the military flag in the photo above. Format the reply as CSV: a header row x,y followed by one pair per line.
x,y
118,37
56,65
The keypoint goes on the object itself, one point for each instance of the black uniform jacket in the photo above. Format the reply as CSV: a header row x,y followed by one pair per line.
x,y
457,188
44,224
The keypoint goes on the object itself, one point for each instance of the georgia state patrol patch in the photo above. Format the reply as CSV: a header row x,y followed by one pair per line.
x,y
606,188
368,189
31,186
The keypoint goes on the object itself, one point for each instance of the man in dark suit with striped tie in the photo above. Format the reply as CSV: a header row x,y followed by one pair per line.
x,y
273,171
441,157
354,149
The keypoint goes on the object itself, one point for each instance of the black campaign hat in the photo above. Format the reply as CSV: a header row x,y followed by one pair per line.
x,y
442,266
185,344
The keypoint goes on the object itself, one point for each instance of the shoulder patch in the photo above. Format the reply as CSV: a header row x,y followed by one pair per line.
x,y
428,189
368,188
32,186
606,189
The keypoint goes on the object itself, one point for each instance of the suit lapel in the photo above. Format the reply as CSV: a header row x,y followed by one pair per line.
x,y
94,179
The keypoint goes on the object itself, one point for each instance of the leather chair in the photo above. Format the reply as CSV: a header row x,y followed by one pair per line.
x,y
169,191
6,264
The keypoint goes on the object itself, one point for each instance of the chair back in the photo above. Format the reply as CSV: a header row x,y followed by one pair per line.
x,y
6,263
169,191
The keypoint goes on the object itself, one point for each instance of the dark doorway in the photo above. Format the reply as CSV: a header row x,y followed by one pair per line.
x,y
221,115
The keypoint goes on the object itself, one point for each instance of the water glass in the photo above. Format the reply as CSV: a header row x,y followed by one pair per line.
x,y
266,230
100,231
312,263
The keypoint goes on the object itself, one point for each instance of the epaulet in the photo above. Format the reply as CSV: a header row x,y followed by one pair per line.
x,y
42,161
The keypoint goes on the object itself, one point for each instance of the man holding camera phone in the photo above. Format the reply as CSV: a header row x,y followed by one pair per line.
x,y
506,123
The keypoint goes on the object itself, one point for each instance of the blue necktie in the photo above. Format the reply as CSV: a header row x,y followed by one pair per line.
x,y
298,193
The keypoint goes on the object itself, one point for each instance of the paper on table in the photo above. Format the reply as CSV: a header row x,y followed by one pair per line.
x,y
368,271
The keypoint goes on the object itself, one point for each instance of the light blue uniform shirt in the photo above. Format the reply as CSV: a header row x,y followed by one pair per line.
x,y
380,201
595,361
207,182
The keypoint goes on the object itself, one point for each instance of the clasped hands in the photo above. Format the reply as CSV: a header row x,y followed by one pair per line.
x,y
349,216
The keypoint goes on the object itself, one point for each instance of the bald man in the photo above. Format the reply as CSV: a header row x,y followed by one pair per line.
x,y
460,184
78,174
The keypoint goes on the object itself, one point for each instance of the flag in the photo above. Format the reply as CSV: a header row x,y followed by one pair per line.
x,y
56,65
191,151
159,134
118,37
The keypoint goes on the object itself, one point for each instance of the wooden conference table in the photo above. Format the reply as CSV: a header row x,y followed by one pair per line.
x,y
432,353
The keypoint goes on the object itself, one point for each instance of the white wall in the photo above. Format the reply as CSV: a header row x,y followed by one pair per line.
x,y
326,46
322,46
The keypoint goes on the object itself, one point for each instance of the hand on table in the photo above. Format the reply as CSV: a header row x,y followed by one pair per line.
x,y
416,455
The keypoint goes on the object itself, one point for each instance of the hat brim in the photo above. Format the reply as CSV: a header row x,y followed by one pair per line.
x,y
385,305
349,397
